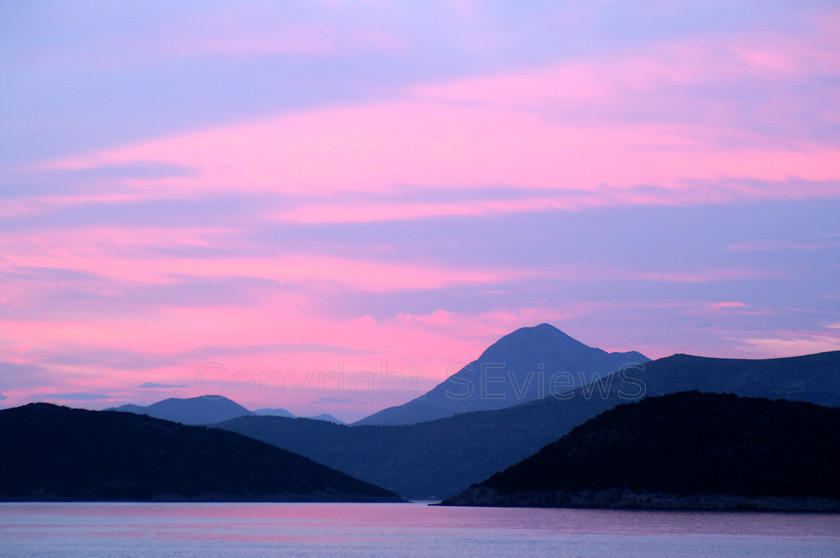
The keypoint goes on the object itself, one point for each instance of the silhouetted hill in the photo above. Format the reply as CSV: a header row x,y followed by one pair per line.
x,y
207,409
328,417
440,458
684,450
517,368
56,453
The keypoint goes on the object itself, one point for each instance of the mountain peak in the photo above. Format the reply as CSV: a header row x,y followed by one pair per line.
x,y
526,364
535,338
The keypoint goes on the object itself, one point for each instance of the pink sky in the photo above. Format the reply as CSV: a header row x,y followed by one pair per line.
x,y
319,194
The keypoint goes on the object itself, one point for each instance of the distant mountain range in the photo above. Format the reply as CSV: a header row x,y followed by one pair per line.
x,y
57,453
687,450
530,363
439,458
206,409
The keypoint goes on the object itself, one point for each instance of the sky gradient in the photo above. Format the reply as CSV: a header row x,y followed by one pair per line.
x,y
328,206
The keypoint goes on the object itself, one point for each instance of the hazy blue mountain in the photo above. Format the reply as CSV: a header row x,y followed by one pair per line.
x,y
207,409
440,458
274,413
530,363
686,450
287,414
57,453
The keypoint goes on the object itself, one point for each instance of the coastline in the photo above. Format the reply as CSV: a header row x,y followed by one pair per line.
x,y
626,499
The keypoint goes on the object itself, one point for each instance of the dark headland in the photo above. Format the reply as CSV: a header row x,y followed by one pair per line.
x,y
57,453
689,451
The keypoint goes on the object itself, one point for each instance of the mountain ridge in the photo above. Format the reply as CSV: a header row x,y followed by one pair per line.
x,y
439,458
206,409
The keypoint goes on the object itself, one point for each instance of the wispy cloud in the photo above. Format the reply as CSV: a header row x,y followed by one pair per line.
x,y
770,245
725,305
332,401
23,375
154,385
707,275
76,396
217,351
792,344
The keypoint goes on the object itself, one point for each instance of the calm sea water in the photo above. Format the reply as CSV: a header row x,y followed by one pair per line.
x,y
404,530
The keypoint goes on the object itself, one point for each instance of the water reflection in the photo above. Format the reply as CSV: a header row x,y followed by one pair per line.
x,y
141,529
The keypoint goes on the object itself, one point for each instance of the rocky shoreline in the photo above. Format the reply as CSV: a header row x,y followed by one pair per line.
x,y
639,500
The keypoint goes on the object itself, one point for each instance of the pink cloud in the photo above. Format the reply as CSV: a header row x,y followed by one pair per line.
x,y
726,305
790,343
428,144
128,255
600,126
705,275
